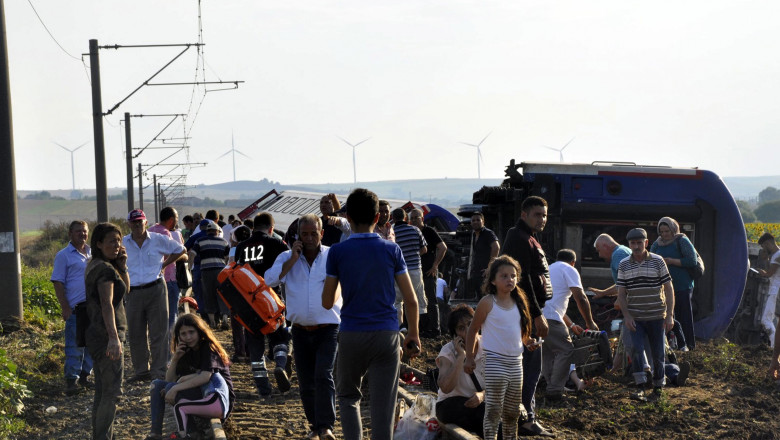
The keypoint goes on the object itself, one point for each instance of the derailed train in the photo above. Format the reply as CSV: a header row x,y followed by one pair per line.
x,y
586,200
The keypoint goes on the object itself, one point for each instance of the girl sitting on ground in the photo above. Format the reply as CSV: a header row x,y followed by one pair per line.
x,y
503,316
197,382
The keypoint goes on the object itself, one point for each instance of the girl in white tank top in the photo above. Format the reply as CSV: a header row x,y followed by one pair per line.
x,y
504,318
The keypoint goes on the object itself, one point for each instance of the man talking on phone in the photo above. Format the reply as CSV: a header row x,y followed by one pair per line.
x,y
314,328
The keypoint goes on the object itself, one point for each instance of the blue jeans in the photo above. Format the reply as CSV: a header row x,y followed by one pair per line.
x,y
654,331
315,354
157,405
77,360
683,312
173,302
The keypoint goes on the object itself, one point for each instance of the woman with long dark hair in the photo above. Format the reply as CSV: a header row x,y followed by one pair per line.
x,y
106,284
197,382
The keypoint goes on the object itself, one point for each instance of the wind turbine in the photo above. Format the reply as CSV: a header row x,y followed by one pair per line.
x,y
72,168
234,151
559,150
354,167
479,152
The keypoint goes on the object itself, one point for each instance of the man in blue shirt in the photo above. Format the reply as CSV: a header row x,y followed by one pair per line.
x,y
367,266
68,280
613,253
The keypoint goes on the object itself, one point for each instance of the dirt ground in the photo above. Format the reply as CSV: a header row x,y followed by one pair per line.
x,y
728,395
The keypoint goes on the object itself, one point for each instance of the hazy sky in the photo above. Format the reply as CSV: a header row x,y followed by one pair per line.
x,y
692,84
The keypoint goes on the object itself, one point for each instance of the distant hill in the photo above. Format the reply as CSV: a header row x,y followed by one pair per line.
x,y
747,188
449,193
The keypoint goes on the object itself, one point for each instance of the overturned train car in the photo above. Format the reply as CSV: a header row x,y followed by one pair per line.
x,y
586,200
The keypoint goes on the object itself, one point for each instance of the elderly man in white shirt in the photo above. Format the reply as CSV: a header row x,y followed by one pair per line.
x,y
147,302
558,347
314,329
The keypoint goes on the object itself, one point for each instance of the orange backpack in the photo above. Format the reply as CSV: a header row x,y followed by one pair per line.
x,y
252,303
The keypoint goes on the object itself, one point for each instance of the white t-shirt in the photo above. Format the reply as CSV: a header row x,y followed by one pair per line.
x,y
774,280
465,385
440,285
562,277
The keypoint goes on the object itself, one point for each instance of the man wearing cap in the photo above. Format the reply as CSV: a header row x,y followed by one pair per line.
x,y
646,298
197,291
211,252
147,301
68,280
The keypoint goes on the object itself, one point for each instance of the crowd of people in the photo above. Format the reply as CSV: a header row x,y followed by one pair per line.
x,y
352,278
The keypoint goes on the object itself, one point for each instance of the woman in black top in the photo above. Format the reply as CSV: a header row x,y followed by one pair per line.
x,y
106,284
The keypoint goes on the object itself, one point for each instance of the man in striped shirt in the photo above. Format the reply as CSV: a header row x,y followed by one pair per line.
x,y
646,297
413,245
213,252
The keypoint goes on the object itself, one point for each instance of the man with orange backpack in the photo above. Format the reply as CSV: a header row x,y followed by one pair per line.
x,y
260,251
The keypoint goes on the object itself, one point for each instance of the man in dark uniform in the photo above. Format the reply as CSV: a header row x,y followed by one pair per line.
x,y
484,249
521,245
260,251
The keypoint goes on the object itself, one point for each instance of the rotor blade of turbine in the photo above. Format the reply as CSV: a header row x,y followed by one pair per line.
x,y
243,154
483,139
345,141
361,142
551,148
479,153
470,145
85,143
228,152
567,144
63,147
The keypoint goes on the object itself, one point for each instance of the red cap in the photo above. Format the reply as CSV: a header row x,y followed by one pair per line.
x,y
136,214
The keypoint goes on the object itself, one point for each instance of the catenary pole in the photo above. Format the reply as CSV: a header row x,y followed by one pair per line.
x,y
101,186
10,264
129,159
140,188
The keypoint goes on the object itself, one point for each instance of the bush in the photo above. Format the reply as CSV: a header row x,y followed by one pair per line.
x,y
12,390
38,294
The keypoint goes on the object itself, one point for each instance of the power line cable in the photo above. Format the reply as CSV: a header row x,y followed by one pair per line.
x,y
49,32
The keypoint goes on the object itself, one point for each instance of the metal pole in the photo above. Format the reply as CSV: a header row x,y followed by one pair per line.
x,y
129,159
140,188
10,268
101,186
154,191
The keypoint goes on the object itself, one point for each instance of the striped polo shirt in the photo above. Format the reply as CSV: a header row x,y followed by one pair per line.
x,y
212,250
644,286
410,240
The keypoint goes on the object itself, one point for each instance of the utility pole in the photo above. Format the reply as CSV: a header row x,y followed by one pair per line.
x,y
10,268
129,159
140,188
101,185
154,191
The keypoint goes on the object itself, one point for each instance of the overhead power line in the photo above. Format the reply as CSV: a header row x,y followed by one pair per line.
x,y
50,34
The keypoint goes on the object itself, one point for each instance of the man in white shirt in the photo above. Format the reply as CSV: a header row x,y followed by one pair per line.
x,y
767,243
147,301
558,348
314,328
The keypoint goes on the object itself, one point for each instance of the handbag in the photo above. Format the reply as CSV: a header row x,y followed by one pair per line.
x,y
183,275
694,272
